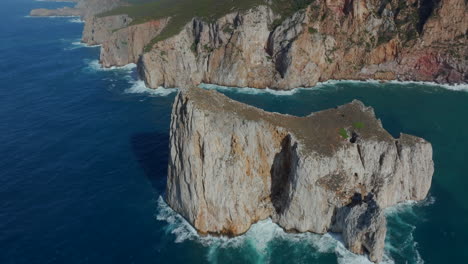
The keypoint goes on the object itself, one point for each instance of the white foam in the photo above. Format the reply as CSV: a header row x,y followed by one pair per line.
x,y
454,87
76,20
78,45
321,85
248,90
259,236
96,66
28,16
139,87
408,206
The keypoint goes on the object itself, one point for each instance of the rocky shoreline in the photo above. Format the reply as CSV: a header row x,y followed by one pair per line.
x,y
341,40
332,171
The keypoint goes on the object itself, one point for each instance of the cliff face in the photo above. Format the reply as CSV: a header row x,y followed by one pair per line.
x,y
360,39
420,40
232,165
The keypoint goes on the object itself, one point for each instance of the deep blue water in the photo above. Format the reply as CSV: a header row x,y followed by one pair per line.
x,y
83,156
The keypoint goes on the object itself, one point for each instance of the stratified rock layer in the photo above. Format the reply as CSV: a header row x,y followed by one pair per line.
x,y
232,165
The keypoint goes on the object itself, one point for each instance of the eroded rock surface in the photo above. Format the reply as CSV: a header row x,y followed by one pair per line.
x,y
365,39
232,165
418,40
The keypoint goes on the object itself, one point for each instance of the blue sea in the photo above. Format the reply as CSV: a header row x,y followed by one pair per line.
x,y
83,161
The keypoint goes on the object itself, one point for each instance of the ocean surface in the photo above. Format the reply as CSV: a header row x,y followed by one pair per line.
x,y
83,156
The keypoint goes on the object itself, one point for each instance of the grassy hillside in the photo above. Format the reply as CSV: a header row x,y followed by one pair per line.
x,y
182,11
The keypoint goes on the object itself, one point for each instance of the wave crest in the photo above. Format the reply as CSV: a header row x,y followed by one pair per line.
x,y
260,238
139,87
321,85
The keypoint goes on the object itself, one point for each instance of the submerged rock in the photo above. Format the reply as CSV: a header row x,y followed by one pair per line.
x,y
232,165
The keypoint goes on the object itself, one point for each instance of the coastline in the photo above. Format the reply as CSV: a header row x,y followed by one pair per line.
x,y
75,95
123,43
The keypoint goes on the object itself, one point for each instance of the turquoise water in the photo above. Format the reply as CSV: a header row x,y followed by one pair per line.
x,y
84,156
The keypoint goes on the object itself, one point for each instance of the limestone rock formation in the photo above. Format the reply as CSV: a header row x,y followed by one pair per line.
x,y
418,40
365,39
232,165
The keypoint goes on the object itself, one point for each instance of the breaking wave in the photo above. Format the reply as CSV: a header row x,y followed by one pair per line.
x,y
247,90
128,73
28,16
94,65
330,83
139,87
76,20
77,44
453,87
259,239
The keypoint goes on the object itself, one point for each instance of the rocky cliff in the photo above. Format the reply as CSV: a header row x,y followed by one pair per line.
x,y
357,39
419,40
232,165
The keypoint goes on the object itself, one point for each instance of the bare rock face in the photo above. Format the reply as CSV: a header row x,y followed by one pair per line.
x,y
65,11
125,45
230,52
99,30
366,39
418,40
232,165
363,226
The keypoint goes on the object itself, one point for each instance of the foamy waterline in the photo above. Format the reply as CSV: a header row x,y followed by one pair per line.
x,y
259,238
248,90
139,87
76,20
324,85
136,86
28,16
94,65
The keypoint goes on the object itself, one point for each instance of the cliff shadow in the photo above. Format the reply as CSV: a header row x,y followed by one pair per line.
x,y
151,151
282,173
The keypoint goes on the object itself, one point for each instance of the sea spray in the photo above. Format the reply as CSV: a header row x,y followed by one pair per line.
x,y
333,84
139,87
94,65
247,90
260,238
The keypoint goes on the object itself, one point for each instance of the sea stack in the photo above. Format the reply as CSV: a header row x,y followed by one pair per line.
x,y
232,165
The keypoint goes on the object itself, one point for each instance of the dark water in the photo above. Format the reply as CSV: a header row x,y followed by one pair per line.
x,y
83,155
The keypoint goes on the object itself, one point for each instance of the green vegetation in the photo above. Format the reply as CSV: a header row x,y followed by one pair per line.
x,y
358,125
312,30
182,11
343,133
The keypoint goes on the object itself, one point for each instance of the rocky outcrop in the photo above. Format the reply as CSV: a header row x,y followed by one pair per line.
x,y
232,165
83,8
65,11
359,39
98,30
125,45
